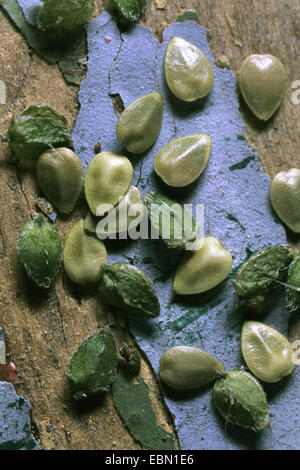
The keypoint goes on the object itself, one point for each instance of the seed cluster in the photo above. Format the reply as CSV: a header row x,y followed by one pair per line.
x,y
40,134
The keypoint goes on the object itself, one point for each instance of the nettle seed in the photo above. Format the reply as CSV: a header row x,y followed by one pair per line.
x,y
140,123
188,71
125,287
108,178
241,400
40,251
83,255
187,368
203,269
263,80
93,366
182,161
126,215
267,353
60,175
258,280
285,197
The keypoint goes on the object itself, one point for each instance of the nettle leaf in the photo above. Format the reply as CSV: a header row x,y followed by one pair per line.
x,y
132,9
40,251
258,280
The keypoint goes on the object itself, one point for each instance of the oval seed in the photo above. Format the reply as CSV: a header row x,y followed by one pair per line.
x,y
267,353
263,80
140,123
241,400
188,72
183,160
174,224
60,176
258,280
40,251
203,269
187,368
108,178
285,197
127,288
68,15
93,366
35,130
127,215
83,255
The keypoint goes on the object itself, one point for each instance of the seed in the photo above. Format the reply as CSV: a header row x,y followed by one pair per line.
x,y
108,178
241,400
285,197
182,161
40,251
130,10
38,128
127,288
60,176
203,269
83,255
257,282
188,72
263,80
68,15
93,366
267,353
174,224
293,286
127,214
187,368
140,123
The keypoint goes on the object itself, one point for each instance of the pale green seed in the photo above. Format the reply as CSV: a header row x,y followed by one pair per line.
x,y
60,175
263,80
140,123
285,197
126,215
83,255
187,368
108,178
188,72
267,353
182,161
241,400
202,269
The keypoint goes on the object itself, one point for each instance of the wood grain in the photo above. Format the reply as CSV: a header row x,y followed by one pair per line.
x,y
42,329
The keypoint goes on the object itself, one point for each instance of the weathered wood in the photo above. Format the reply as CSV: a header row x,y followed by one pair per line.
x,y
42,330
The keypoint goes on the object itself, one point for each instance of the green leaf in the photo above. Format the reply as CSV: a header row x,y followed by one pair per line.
x,y
40,251
258,280
93,366
131,9
131,398
174,224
